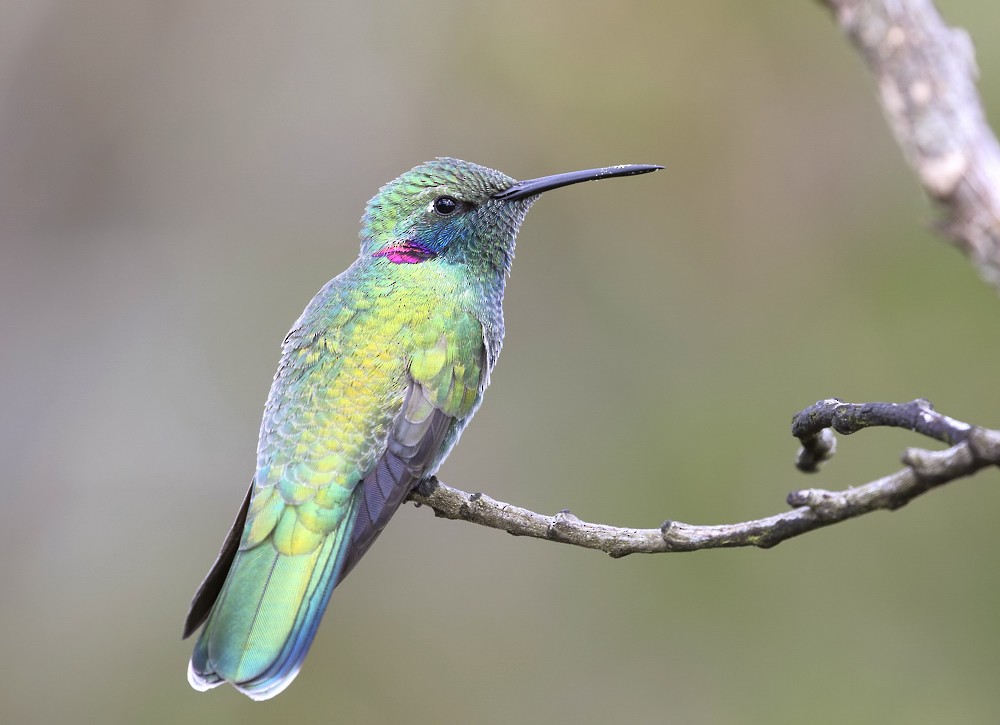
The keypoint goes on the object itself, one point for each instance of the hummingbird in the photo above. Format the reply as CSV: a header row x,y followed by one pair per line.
x,y
377,380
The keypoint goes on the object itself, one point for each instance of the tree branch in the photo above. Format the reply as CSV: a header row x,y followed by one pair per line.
x,y
925,73
972,448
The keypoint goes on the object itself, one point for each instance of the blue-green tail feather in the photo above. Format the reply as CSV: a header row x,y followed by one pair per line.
x,y
267,614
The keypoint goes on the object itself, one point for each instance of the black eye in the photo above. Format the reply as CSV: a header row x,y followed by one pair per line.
x,y
445,205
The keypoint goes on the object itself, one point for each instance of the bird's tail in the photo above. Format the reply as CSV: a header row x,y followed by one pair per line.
x,y
266,616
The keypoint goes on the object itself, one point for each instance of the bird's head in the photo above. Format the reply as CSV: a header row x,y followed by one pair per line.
x,y
459,212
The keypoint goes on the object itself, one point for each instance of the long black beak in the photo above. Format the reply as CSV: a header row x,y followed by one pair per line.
x,y
531,187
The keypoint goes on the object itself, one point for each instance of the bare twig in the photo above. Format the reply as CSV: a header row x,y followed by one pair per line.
x,y
925,73
973,448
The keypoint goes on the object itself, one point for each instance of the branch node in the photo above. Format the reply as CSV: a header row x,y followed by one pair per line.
x,y
562,524
564,516
827,505
985,445
940,464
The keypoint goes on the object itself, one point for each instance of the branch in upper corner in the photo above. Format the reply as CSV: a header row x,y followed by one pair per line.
x,y
925,72
972,449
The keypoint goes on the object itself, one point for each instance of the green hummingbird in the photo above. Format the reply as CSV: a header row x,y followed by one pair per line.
x,y
378,378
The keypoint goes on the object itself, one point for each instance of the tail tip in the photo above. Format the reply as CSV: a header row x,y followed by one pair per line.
x,y
268,688
259,690
202,681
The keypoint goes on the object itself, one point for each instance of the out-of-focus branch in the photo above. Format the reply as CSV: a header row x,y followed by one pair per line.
x,y
925,72
972,448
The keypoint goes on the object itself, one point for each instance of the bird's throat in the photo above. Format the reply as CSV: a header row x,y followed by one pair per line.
x,y
406,252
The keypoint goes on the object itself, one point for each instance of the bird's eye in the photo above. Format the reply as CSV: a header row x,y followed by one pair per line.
x,y
445,205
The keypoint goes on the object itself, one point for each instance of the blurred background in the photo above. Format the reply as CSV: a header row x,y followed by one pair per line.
x,y
178,179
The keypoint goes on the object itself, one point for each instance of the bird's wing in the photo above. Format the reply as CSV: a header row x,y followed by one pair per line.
x,y
445,383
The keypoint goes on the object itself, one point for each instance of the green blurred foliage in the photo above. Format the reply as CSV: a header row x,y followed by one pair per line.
x,y
176,181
